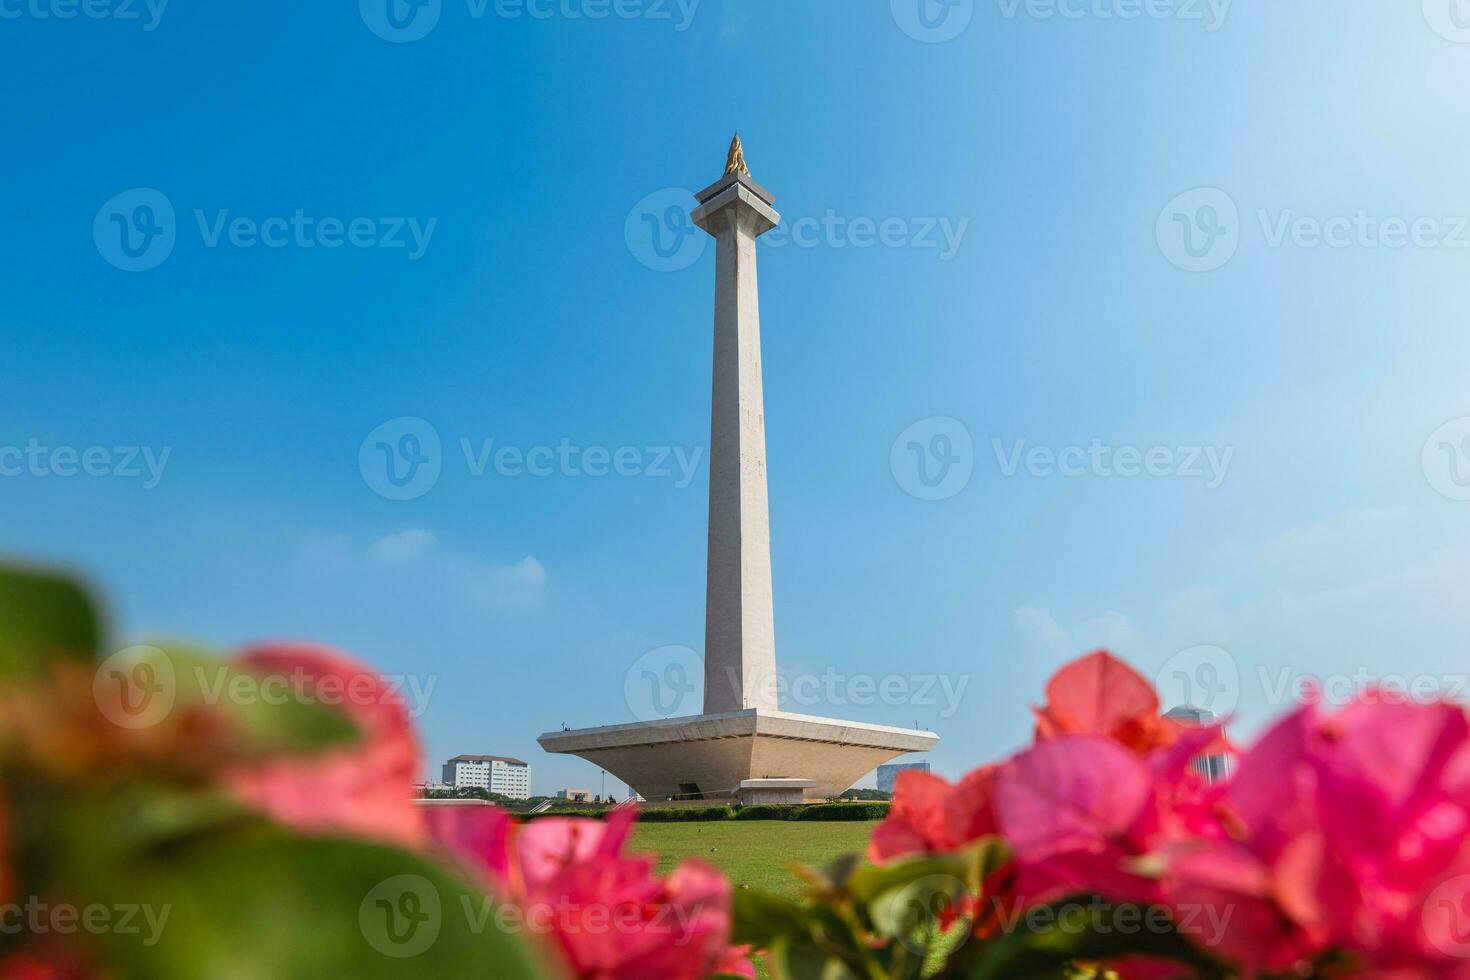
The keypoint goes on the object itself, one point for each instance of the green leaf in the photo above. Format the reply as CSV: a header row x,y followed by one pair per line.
x,y
916,909
250,901
43,616
269,723
971,865
1049,939
144,686
762,918
804,960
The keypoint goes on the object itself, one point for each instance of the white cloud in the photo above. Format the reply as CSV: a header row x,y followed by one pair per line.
x,y
506,586
403,546
1377,595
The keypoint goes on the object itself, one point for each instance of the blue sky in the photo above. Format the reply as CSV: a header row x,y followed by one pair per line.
x,y
1232,233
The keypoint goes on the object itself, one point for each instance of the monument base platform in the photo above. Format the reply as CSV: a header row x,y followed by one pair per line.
x,y
709,756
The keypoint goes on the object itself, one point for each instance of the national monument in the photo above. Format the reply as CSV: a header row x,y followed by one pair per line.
x,y
743,745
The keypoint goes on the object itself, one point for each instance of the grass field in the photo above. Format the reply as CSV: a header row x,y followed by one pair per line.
x,y
752,852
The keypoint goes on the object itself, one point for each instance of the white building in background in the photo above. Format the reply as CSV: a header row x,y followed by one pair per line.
x,y
495,773
888,775
1214,768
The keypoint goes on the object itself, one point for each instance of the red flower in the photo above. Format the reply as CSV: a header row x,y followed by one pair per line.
x,y
929,815
364,788
1075,811
1101,695
606,912
1347,834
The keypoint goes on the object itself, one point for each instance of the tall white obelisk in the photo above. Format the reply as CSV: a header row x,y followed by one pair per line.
x,y
739,628
743,746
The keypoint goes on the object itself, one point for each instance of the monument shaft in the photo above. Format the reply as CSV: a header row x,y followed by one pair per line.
x,y
743,746
739,631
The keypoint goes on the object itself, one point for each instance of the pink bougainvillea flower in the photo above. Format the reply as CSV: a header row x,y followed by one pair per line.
x,y
1266,869
363,789
1346,833
606,912
1101,695
545,848
1392,801
622,923
475,833
1071,809
930,815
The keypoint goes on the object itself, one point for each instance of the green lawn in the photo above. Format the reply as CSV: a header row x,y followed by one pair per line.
x,y
752,852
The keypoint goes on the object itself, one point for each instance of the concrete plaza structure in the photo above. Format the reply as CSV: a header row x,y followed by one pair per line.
x,y
742,740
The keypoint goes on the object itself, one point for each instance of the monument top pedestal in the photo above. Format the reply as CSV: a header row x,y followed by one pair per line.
x,y
730,180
